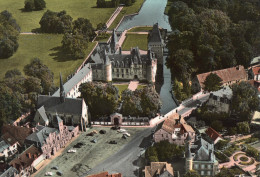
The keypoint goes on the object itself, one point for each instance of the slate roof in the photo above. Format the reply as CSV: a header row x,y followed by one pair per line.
x,y
255,60
26,158
11,171
155,34
41,134
227,75
212,133
53,104
42,113
3,145
224,92
12,134
159,168
74,80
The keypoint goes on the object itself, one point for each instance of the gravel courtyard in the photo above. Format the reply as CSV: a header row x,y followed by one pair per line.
x,y
90,154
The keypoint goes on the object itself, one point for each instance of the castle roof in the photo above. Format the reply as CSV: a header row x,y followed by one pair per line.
x,y
155,35
227,75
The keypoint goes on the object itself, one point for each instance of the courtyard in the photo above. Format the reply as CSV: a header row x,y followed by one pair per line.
x,y
89,154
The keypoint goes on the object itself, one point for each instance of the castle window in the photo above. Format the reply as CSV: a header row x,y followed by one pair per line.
x,y
126,70
113,70
117,75
122,70
209,173
117,70
122,75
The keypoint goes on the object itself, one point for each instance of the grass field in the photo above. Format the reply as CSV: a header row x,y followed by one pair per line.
x,y
126,11
133,40
75,8
121,87
141,29
47,47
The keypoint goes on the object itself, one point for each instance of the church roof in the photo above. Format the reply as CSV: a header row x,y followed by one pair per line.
x,y
53,104
42,113
155,35
70,84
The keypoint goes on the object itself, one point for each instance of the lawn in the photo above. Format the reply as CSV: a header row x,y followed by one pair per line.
x,y
133,40
75,8
121,87
103,37
141,29
126,11
48,49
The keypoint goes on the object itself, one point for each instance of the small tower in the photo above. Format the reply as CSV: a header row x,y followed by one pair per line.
x,y
114,42
188,155
62,92
108,69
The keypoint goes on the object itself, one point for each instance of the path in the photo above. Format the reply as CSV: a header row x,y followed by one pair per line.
x,y
113,16
28,33
133,85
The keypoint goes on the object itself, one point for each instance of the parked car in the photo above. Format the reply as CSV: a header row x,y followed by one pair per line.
x,y
90,134
112,142
102,132
94,141
72,150
127,134
59,173
48,173
78,145
54,168
121,130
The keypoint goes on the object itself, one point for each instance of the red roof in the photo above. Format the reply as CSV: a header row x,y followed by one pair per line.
x,y
105,174
212,133
12,134
26,158
256,70
227,75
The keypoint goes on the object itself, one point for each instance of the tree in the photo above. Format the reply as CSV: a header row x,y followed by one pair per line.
x,y
39,4
12,73
29,5
84,27
212,82
56,22
42,72
244,100
252,152
217,125
191,173
221,144
243,128
9,32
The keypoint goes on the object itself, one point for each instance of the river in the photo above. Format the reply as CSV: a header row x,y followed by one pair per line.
x,y
152,12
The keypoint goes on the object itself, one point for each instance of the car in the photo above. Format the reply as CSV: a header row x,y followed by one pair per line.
x,y
72,150
94,141
121,130
127,134
54,168
59,173
112,142
48,173
78,145
102,132
90,134
124,136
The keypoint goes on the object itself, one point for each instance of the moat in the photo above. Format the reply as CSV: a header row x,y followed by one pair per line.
x,y
152,12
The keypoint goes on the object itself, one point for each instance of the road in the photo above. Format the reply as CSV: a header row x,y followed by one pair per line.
x,y
126,160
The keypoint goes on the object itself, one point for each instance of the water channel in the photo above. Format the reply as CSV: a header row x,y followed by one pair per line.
x,y
152,12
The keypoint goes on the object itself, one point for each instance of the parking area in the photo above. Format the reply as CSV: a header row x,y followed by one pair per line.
x,y
88,151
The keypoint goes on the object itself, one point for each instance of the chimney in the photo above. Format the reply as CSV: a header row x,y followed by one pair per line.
x,y
238,67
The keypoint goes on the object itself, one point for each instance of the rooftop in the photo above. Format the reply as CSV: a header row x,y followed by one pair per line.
x,y
159,168
213,134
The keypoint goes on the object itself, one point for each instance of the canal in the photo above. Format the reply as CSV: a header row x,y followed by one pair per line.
x,y
152,12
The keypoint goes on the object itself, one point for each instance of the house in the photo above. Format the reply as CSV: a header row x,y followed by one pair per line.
x,y
26,162
10,172
50,140
73,111
159,169
213,135
219,101
255,61
12,137
254,73
174,131
229,76
199,156
105,174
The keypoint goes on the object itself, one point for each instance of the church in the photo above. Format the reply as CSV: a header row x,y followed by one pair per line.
x,y
73,111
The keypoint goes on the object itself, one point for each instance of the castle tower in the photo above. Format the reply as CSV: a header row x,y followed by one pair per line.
x,y
62,92
114,42
188,155
155,43
107,69
151,67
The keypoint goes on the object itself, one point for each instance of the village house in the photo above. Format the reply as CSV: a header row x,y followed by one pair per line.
x,y
159,169
219,101
200,157
26,162
229,76
9,172
175,130
12,137
213,135
73,111
106,174
50,140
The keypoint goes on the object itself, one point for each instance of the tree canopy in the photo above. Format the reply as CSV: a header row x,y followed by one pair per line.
x,y
9,33
191,173
30,5
212,82
244,100
56,22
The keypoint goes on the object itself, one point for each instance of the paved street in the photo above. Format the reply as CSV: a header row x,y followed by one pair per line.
x,y
125,161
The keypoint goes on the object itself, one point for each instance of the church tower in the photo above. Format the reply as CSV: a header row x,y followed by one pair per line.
x,y
114,42
62,92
